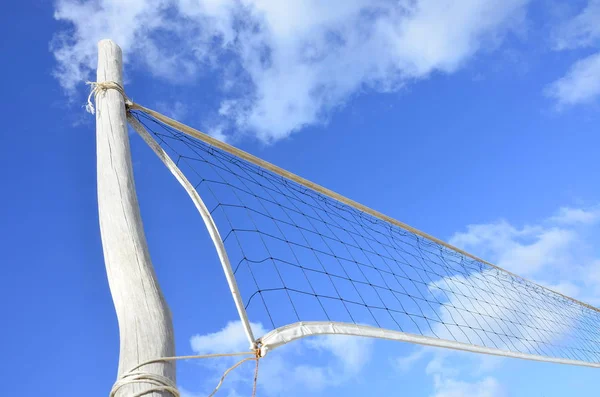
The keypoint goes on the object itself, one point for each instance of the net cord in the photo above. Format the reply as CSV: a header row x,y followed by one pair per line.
x,y
208,221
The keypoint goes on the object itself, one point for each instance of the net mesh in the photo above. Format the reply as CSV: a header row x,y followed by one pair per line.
x,y
298,255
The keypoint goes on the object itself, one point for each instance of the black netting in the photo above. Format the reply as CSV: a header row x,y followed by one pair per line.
x,y
301,256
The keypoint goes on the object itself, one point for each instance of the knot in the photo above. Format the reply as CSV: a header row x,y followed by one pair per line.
x,y
257,357
159,383
101,87
162,383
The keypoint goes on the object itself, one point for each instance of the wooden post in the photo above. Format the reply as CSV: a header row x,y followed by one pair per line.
x,y
145,325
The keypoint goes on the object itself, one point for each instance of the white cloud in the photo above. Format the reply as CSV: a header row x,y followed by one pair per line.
x,y
352,352
176,110
564,287
521,250
489,310
580,85
569,215
285,64
231,339
342,357
186,393
438,366
454,374
581,31
406,363
448,387
312,364
558,249
122,21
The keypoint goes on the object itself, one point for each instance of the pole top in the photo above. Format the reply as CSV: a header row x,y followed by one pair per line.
x,y
107,42
110,62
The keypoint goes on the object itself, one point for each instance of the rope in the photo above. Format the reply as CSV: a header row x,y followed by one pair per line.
x,y
228,371
255,373
256,357
102,87
161,383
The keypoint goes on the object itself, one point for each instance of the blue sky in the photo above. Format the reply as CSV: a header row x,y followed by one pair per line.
x,y
475,122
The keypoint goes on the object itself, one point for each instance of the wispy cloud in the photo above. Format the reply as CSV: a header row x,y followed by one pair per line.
x,y
580,31
557,248
581,83
176,110
284,64
450,387
406,363
230,339
558,242
573,216
457,374
522,250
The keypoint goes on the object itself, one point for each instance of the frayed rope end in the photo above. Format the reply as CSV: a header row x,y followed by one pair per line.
x,y
89,107
98,87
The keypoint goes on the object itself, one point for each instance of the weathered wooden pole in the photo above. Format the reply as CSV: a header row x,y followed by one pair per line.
x,y
145,325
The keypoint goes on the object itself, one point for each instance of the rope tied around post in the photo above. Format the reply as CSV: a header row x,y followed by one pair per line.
x,y
100,88
161,383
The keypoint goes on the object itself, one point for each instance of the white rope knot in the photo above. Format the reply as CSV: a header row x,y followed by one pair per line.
x,y
161,383
102,87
